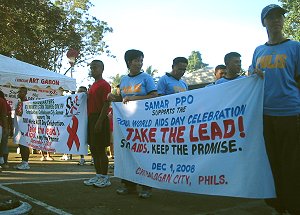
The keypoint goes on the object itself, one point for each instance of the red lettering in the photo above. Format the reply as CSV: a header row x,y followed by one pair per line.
x,y
172,135
229,128
215,131
203,131
136,135
130,131
142,135
164,131
179,138
152,133
192,138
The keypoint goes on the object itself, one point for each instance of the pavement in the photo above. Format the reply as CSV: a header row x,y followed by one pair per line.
x,y
56,187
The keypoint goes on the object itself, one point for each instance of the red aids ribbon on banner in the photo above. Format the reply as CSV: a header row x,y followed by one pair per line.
x,y
73,134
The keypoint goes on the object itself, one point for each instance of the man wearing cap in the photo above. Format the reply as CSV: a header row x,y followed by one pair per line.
x,y
279,60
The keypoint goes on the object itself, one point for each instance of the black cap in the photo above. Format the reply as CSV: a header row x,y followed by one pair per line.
x,y
268,9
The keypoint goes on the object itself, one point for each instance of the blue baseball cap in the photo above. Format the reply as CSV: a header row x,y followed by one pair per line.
x,y
265,12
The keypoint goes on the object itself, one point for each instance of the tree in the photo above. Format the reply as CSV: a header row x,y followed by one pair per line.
x,y
41,32
115,82
25,30
150,71
292,22
195,62
90,30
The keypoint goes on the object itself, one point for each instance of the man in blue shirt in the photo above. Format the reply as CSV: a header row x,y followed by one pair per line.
x,y
171,82
233,67
219,73
137,85
279,59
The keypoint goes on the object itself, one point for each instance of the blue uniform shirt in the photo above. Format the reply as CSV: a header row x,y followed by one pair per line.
x,y
223,80
139,85
281,64
168,84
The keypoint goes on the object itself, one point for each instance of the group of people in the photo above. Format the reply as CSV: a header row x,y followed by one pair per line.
x,y
7,128
277,61
8,124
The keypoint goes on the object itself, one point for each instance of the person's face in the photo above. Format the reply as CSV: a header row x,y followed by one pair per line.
x,y
179,70
95,69
118,91
22,93
136,65
234,65
220,73
274,21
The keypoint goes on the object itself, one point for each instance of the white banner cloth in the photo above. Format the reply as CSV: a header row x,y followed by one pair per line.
x,y
205,141
57,124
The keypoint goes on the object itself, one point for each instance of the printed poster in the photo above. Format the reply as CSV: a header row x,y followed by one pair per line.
x,y
57,124
204,141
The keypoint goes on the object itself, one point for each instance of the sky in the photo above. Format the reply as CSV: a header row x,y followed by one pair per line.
x,y
165,29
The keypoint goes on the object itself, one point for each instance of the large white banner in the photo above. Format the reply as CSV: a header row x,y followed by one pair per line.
x,y
57,124
206,141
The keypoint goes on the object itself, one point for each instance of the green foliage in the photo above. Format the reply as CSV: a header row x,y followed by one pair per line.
x,y
292,21
25,29
150,71
41,32
115,82
195,62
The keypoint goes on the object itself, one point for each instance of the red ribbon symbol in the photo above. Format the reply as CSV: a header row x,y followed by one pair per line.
x,y
73,134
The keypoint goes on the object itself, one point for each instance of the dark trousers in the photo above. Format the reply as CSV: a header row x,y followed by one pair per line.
x,y
24,150
282,139
132,185
98,142
4,147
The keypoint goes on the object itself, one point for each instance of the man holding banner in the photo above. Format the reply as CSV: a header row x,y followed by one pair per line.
x,y
184,143
279,58
137,85
171,82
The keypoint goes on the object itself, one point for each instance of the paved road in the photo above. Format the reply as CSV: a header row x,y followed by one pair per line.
x,y
56,187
